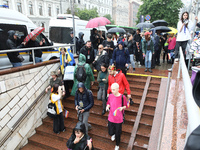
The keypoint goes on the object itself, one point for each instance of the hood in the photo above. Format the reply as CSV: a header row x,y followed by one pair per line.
x,y
81,85
121,42
80,126
11,34
82,58
80,35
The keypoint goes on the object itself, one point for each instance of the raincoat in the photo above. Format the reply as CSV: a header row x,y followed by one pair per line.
x,y
90,76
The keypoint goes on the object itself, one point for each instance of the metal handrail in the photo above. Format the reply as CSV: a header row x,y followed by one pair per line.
x,y
192,108
34,48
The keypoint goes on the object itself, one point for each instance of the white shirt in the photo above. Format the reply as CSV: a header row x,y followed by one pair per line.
x,y
184,35
57,98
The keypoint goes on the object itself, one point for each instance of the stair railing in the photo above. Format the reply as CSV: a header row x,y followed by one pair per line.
x,y
192,108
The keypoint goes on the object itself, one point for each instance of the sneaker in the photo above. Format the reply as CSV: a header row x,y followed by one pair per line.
x,y
116,147
113,137
63,130
170,69
145,70
150,70
133,69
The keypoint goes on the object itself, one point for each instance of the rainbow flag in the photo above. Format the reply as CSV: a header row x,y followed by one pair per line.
x,y
115,112
128,103
66,113
169,56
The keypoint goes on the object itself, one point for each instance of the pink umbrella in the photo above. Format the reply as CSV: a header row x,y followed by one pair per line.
x,y
36,31
96,22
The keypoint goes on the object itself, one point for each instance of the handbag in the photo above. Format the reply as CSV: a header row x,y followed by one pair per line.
x,y
21,59
51,110
69,73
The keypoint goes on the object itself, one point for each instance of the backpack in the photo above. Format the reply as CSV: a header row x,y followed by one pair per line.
x,y
81,73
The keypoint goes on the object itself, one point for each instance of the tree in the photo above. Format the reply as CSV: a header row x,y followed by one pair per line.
x,y
86,14
167,10
109,18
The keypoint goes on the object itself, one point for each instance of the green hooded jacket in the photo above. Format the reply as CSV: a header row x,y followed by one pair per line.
x,y
90,76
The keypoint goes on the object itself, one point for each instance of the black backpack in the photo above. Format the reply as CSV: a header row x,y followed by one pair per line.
x,y
81,73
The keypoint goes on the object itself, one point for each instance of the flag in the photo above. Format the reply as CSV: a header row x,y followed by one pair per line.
x,y
128,103
115,112
66,113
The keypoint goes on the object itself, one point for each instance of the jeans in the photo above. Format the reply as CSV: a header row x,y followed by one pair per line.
x,y
110,62
38,59
132,60
83,117
148,58
17,64
101,95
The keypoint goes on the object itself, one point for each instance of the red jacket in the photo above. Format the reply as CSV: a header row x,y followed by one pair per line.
x,y
121,80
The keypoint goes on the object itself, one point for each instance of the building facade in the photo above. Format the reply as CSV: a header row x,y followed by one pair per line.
x,y
121,12
133,10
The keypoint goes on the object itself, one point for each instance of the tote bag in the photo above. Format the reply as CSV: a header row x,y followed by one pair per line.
x,y
69,73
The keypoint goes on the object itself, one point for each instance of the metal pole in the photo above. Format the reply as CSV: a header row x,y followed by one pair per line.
x,y
61,6
33,55
72,11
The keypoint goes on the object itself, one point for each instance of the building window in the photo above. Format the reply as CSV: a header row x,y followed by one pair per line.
x,y
5,3
57,10
30,5
19,6
49,10
40,9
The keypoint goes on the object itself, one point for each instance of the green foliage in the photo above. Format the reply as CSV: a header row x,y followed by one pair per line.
x,y
109,18
86,14
167,10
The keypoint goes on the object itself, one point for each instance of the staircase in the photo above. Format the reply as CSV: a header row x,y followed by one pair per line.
x,y
136,130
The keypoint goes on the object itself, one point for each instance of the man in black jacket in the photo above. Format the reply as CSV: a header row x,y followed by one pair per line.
x,y
109,47
88,51
12,43
83,103
80,42
95,39
34,43
138,52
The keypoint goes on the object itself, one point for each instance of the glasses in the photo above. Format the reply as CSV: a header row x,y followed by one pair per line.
x,y
100,48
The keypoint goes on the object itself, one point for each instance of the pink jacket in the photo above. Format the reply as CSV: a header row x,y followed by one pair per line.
x,y
116,102
172,43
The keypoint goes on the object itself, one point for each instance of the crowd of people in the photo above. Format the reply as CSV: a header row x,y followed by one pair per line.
x,y
110,57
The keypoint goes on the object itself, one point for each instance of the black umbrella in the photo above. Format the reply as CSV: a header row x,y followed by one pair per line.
x,y
144,25
114,30
162,28
160,23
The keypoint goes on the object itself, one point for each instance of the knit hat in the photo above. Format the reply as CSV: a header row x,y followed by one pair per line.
x,y
121,42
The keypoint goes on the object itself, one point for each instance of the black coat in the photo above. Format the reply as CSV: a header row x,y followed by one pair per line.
x,y
137,38
86,97
11,43
81,42
102,59
38,52
85,51
131,47
95,38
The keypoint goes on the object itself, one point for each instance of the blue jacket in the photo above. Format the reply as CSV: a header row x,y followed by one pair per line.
x,y
86,97
121,57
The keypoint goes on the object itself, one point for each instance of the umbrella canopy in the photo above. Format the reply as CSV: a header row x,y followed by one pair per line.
x,y
114,30
96,22
36,32
162,28
144,25
174,31
160,23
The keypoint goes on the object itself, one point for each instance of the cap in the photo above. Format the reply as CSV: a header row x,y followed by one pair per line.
x,y
147,33
16,34
71,32
53,73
